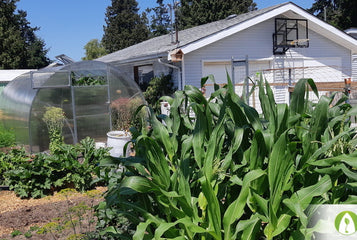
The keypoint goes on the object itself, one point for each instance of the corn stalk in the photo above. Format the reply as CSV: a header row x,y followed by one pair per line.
x,y
216,169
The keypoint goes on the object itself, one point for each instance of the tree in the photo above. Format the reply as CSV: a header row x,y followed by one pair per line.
x,y
19,45
160,20
125,27
94,49
339,13
193,13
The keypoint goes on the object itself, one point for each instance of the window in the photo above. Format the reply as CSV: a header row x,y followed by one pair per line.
x,y
142,75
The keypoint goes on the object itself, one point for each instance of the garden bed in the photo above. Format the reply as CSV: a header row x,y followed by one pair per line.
x,y
25,214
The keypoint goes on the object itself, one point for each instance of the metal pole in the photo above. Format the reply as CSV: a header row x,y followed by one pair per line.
x,y
171,23
75,135
325,14
289,84
247,79
109,101
232,73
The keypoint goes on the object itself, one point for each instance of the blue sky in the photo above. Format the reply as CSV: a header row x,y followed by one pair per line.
x,y
67,25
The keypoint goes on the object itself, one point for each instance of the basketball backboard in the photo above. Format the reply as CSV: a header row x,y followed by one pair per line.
x,y
290,33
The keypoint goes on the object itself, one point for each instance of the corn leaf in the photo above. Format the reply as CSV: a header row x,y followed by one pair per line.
x,y
280,167
156,161
298,101
236,209
303,197
133,184
141,230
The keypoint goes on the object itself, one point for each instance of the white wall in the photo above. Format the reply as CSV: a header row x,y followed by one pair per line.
x,y
256,42
354,68
324,60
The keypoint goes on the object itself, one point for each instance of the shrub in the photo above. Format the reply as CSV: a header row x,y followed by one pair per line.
x,y
230,173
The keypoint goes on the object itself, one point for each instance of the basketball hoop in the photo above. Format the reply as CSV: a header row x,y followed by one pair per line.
x,y
290,33
300,42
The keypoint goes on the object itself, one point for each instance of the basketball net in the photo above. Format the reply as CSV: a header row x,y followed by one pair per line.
x,y
300,42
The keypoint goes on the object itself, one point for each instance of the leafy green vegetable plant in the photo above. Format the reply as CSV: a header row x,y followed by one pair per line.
x,y
68,166
10,160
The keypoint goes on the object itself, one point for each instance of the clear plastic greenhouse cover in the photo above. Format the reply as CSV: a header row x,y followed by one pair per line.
x,y
94,97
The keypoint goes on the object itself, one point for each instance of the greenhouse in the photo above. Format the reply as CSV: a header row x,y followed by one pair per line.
x,y
95,98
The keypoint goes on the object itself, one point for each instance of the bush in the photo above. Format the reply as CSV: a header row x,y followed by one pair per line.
x,y
230,173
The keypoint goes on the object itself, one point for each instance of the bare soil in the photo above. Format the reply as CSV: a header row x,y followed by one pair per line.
x,y
25,215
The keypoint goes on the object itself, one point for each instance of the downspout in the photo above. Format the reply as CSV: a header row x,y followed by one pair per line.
x,y
174,67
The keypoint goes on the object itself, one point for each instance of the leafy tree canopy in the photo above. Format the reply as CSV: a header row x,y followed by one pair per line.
x,y
94,49
125,27
160,19
193,13
339,13
19,45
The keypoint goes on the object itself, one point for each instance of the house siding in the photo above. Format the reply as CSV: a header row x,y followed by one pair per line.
x,y
252,42
323,60
354,68
256,43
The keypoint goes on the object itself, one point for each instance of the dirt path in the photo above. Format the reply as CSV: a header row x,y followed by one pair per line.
x,y
21,214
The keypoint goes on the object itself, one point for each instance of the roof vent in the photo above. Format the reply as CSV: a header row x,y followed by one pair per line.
x,y
231,16
65,59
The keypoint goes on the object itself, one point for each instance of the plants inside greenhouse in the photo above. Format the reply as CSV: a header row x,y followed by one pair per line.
x,y
54,118
7,137
88,80
232,173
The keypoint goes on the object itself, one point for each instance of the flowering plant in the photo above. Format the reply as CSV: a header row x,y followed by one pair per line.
x,y
54,118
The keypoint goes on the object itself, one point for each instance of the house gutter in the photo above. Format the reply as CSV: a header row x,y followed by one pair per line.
x,y
174,67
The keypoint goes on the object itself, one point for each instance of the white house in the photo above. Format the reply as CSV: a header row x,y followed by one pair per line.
x,y
283,42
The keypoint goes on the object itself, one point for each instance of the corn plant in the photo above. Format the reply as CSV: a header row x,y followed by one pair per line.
x,y
228,172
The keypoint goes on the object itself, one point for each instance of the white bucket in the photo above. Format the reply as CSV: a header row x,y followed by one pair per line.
x,y
117,140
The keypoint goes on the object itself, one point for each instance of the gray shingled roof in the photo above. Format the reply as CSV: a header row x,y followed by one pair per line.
x,y
160,46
